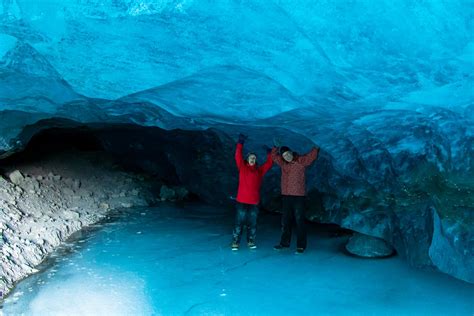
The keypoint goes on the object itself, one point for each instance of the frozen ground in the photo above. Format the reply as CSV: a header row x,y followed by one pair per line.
x,y
177,261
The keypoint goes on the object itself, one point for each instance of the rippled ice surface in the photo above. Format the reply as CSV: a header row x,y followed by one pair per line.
x,y
177,261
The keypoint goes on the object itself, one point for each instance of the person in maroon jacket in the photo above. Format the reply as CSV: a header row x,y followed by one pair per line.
x,y
248,194
293,191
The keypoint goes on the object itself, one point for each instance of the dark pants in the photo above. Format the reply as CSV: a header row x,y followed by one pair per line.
x,y
245,214
293,210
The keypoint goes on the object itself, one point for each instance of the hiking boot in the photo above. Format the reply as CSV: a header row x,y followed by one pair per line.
x,y
252,244
280,247
299,250
235,245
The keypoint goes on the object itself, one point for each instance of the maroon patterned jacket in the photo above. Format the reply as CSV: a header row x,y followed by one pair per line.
x,y
293,180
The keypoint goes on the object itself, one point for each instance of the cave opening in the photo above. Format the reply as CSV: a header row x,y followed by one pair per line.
x,y
126,148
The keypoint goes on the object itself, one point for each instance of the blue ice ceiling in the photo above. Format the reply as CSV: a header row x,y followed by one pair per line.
x,y
284,53
324,69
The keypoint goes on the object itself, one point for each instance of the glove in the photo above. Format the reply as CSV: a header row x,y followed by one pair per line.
x,y
242,138
267,149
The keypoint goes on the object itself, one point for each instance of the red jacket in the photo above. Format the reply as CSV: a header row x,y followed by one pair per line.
x,y
293,180
250,177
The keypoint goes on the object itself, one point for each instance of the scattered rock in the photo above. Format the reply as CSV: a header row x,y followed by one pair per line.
x,y
104,205
42,211
369,247
68,191
16,177
173,193
35,183
31,185
2,239
76,185
2,180
72,215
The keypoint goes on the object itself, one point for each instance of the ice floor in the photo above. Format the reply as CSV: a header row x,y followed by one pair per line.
x,y
177,261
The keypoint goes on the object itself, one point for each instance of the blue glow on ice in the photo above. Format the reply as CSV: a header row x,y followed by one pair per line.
x,y
177,261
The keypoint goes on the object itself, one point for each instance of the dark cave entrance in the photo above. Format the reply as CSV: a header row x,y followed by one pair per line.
x,y
174,158
200,161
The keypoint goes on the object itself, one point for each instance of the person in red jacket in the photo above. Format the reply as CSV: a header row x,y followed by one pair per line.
x,y
293,193
248,194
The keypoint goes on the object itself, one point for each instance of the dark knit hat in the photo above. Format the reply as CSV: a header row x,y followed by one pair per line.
x,y
248,155
284,149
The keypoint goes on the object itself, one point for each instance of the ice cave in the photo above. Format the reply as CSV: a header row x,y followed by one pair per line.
x,y
237,157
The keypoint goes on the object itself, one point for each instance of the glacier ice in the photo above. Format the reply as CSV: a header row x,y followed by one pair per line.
x,y
385,88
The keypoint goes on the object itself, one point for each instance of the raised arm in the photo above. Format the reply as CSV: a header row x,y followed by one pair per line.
x,y
276,157
268,164
239,157
308,158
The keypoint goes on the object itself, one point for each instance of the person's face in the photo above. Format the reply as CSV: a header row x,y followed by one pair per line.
x,y
288,156
252,159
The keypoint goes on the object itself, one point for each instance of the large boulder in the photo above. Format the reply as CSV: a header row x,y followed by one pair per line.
x,y
16,177
368,247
